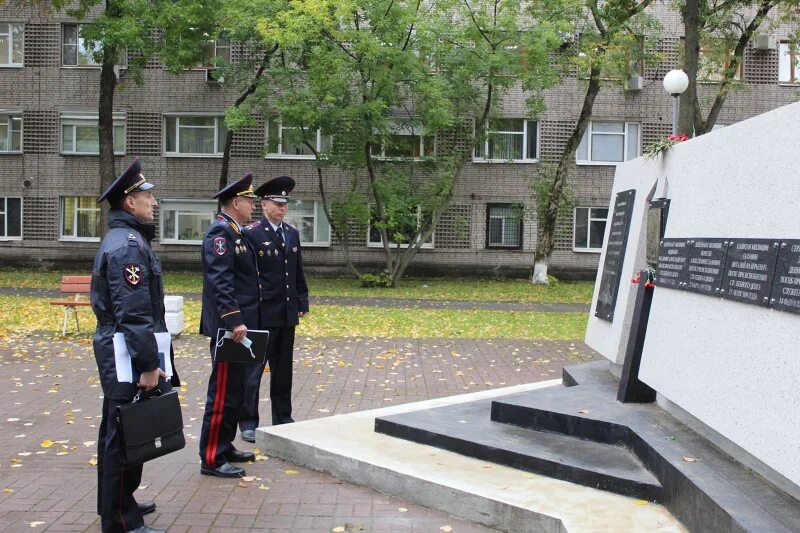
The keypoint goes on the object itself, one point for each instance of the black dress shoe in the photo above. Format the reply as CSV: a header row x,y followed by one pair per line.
x,y
249,435
285,420
146,529
237,456
225,470
147,508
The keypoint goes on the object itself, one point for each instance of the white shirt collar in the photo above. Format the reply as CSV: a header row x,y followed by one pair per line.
x,y
274,227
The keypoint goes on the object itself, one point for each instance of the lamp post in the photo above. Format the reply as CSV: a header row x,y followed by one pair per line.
x,y
675,83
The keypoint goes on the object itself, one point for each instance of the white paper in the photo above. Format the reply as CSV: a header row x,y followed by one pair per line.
x,y
122,358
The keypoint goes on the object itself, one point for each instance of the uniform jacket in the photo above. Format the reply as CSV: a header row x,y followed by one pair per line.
x,y
230,279
127,296
284,292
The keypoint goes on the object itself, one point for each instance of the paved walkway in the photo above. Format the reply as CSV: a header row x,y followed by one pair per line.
x,y
50,407
375,302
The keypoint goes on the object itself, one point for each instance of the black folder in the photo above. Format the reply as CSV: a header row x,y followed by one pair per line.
x,y
237,352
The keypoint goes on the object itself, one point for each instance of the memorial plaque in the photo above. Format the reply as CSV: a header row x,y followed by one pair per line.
x,y
705,265
785,295
749,266
672,261
615,255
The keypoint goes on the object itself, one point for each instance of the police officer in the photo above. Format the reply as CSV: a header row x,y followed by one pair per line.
x,y
127,297
284,298
230,301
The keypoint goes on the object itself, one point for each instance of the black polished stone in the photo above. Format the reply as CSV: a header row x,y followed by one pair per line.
x,y
749,266
615,255
631,388
785,294
705,265
673,257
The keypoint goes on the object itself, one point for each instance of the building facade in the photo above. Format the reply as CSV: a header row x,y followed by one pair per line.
x,y
49,165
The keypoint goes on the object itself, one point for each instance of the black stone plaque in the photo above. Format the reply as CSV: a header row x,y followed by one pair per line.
x,y
749,266
785,295
705,265
673,257
615,255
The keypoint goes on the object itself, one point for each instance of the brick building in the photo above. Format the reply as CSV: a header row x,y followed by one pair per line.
x,y
49,167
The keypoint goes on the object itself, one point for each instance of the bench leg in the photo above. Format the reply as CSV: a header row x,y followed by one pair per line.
x,y
77,325
66,318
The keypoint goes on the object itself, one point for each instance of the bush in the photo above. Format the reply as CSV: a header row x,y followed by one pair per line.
x,y
379,279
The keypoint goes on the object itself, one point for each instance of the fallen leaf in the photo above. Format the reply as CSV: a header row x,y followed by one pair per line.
x,y
689,459
248,478
47,443
262,487
12,420
244,484
292,472
93,461
402,509
583,411
352,527
8,491
528,476
446,528
338,529
88,443
261,457
642,502
37,523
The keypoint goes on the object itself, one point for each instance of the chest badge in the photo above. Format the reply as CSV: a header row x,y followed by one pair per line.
x,y
133,274
294,249
261,253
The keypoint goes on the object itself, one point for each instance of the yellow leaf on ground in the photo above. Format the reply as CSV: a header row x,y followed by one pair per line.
x,y
292,472
47,443
88,443
642,502
261,457
248,478
244,484
8,491
338,529
262,487
402,509
446,528
93,461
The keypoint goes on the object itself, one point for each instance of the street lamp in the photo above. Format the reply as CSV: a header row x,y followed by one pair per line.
x,y
675,82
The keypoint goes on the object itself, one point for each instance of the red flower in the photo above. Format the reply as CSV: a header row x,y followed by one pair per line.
x,y
649,285
636,279
678,138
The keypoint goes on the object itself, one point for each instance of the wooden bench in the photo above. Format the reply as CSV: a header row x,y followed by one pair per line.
x,y
75,285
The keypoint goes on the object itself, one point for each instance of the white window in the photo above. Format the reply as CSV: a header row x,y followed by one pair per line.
x,y
290,142
80,216
185,221
194,135
308,216
405,141
503,226
508,140
220,49
80,136
400,236
10,132
589,228
75,51
10,218
609,143
11,44
788,63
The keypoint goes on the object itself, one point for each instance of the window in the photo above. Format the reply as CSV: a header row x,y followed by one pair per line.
x,y
509,139
608,143
79,134
219,49
401,235
10,218
11,43
590,227
194,135
503,226
713,60
288,141
788,63
308,216
75,52
79,218
185,221
10,132
404,140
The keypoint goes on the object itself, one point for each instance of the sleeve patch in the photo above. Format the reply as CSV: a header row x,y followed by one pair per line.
x,y
220,246
133,274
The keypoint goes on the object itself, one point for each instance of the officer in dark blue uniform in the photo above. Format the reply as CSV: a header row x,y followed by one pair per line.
x,y
230,301
284,298
127,297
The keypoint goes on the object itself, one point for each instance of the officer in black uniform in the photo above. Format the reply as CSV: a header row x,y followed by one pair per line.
x,y
284,298
230,301
127,297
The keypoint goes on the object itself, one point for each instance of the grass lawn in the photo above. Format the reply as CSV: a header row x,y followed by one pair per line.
x,y
511,290
20,314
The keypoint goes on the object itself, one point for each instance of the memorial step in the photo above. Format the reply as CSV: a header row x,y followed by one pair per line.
x,y
468,430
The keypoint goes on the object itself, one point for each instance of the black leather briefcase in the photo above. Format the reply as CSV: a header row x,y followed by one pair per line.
x,y
150,427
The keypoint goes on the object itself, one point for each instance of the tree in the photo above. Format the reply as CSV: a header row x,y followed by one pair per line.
x,y
389,80
612,36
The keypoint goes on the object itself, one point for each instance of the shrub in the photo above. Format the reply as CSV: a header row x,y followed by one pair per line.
x,y
378,279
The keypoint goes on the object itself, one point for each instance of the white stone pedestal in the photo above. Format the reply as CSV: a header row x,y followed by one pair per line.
x,y
173,305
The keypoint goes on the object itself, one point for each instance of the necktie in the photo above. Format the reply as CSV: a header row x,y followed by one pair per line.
x,y
279,231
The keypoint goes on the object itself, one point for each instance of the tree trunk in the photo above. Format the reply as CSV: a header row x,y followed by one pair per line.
x,y
105,123
341,237
689,104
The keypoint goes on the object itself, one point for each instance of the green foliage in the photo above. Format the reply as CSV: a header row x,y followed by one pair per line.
x,y
542,190
376,280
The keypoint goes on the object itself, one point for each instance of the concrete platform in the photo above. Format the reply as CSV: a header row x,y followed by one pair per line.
x,y
508,499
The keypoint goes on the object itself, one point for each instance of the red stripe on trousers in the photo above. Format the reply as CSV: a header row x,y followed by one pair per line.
x,y
216,418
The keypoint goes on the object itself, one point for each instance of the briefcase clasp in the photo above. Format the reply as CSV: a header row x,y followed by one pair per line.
x,y
158,442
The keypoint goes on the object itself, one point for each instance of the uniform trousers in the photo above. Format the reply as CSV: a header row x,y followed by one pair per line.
x,y
280,349
226,387
116,482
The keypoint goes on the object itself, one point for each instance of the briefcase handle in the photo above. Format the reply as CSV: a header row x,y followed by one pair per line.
x,y
138,396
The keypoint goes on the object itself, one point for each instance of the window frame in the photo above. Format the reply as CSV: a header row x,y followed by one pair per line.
x,y
520,224
589,220
220,119
10,59
81,118
279,145
625,133
208,62
319,215
525,132
164,207
793,52
4,235
704,51
74,238
399,127
12,114
77,64
379,244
